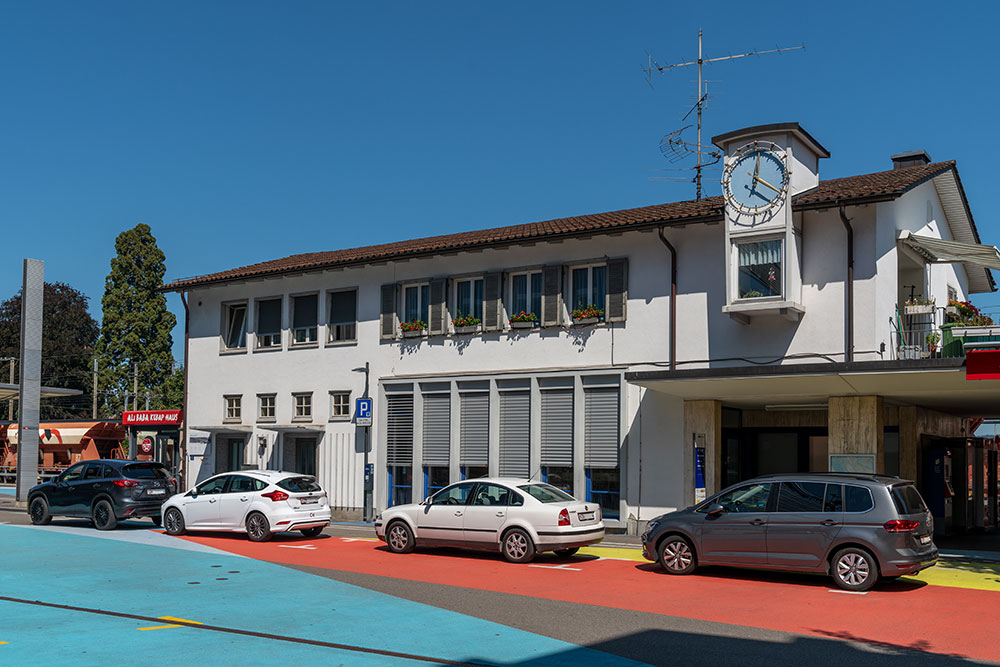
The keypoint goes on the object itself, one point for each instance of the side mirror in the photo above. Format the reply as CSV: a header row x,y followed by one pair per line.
x,y
715,509
427,501
193,493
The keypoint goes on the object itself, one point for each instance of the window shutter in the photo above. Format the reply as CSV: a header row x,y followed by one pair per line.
x,y
343,307
399,431
387,319
601,427
557,427
515,412
437,429
304,311
474,431
491,301
617,290
437,325
269,316
552,296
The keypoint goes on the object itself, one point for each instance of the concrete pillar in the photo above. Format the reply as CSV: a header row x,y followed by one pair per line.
x,y
856,426
909,443
703,418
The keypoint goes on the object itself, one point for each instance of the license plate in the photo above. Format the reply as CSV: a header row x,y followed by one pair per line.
x,y
155,492
585,516
925,539
308,501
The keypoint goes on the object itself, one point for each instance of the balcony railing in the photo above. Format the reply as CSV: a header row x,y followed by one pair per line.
x,y
934,333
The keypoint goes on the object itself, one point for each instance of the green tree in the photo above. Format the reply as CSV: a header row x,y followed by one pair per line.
x,y
68,337
136,325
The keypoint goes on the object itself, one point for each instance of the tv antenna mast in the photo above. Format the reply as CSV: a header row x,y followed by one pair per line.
x,y
671,145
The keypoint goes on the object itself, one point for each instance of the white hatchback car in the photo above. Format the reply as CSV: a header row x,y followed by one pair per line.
x,y
518,517
256,502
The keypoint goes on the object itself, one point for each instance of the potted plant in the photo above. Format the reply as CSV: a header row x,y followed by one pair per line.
x,y
919,306
972,324
932,340
751,294
523,320
587,315
466,324
413,329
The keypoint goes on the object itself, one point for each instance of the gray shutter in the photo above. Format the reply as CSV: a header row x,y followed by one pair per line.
x,y
437,325
304,311
491,301
474,431
399,431
552,278
387,319
515,433
617,290
600,426
437,429
557,427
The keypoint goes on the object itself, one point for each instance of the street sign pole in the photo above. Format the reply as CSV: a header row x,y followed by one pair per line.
x,y
363,417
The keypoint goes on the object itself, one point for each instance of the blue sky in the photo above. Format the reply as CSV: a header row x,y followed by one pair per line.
x,y
246,131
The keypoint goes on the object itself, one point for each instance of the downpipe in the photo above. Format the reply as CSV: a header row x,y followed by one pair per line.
x,y
849,308
673,298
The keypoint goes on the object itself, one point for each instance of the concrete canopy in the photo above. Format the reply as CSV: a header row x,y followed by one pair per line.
x,y
9,391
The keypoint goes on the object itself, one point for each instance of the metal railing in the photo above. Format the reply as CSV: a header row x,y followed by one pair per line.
x,y
930,333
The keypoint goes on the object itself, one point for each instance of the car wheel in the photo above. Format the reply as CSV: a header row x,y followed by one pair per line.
x,y
157,520
312,532
566,553
103,515
258,529
677,556
399,538
517,546
38,510
173,521
854,569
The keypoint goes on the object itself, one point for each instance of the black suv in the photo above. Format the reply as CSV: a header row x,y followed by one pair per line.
x,y
104,491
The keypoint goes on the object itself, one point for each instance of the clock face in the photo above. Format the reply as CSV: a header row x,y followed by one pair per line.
x,y
755,182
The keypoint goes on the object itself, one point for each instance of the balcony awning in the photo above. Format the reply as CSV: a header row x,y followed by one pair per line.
x,y
939,251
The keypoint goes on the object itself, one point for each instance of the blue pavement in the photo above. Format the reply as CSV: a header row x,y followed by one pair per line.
x,y
218,589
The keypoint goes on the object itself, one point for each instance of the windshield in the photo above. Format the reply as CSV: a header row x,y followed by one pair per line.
x,y
145,471
299,484
545,493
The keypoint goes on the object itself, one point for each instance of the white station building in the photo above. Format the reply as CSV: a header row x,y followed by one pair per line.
x,y
637,358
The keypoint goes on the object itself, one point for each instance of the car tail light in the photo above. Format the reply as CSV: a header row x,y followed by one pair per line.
x,y
125,483
276,496
901,526
564,517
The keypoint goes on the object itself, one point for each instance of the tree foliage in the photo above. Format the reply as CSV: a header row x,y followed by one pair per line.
x,y
68,337
136,325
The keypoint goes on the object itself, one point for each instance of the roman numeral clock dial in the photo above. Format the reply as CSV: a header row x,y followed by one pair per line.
x,y
755,183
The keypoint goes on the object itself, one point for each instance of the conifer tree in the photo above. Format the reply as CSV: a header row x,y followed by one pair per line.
x,y
136,325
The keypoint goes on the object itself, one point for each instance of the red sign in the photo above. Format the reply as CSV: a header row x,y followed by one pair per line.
x,y
982,365
152,417
147,445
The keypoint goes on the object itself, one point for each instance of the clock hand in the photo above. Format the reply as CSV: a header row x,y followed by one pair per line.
x,y
761,180
756,167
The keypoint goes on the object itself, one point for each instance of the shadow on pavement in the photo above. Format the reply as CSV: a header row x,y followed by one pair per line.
x,y
814,580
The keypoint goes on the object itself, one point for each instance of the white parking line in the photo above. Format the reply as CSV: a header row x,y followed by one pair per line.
x,y
297,546
564,566
849,592
359,539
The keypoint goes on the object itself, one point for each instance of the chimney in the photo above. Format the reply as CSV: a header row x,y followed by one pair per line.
x,y
910,159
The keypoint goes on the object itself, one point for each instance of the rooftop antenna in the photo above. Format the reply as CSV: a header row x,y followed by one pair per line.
x,y
676,148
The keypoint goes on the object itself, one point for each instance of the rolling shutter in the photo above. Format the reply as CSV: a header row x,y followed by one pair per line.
x,y
491,301
437,324
437,429
600,423
474,431
552,296
269,316
557,427
515,432
399,431
387,319
617,290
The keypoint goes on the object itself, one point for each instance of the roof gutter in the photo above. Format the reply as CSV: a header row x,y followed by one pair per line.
x,y
849,305
673,298
184,394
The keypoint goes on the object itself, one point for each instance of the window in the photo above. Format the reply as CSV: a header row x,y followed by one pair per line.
x,y
213,486
475,472
453,495
241,484
300,484
907,500
416,301
546,494
340,405
526,293
93,471
268,323
857,499
834,501
469,298
303,406
145,471
435,478
265,407
234,410
235,326
801,496
560,477
73,474
304,319
491,494
751,498
759,269
342,316
400,485
590,286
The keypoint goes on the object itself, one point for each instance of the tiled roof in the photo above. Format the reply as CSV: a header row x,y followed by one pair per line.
x,y
853,189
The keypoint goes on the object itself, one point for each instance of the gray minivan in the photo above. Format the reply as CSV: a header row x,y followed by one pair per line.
x,y
854,527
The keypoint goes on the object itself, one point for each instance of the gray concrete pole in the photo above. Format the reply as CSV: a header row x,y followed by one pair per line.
x,y
30,391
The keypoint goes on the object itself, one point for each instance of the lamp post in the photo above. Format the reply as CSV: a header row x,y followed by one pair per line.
x,y
368,480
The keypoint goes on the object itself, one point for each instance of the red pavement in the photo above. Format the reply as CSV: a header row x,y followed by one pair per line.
x,y
935,619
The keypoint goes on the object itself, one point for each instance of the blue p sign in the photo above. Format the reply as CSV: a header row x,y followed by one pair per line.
x,y
363,412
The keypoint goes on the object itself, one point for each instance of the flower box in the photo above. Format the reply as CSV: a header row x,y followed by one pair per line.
x,y
964,331
471,329
920,309
524,324
586,320
951,310
413,333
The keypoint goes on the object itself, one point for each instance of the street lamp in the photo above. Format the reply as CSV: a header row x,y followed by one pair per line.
x,y
367,475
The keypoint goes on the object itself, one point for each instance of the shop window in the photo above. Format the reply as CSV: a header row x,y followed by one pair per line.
x,y
560,477
526,294
435,479
342,319
268,333
589,287
340,405
759,265
304,318
265,407
400,485
234,408
475,472
469,298
234,326
303,406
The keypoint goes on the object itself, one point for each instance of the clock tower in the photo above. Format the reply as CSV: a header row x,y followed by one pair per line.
x,y
765,167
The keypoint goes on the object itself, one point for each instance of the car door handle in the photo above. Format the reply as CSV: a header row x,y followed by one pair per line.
x,y
458,514
244,498
757,522
829,522
211,500
500,513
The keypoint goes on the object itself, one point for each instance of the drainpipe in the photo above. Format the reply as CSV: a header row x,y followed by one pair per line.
x,y
849,346
673,299
184,401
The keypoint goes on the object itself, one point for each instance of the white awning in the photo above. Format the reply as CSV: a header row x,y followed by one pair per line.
x,y
939,251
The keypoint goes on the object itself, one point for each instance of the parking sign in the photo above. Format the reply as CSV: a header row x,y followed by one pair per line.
x,y
363,412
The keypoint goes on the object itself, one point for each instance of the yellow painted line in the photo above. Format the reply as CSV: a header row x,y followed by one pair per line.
x,y
169,618
977,576
613,552
3,642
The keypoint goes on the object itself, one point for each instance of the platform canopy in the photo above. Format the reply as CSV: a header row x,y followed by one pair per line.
x,y
9,391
